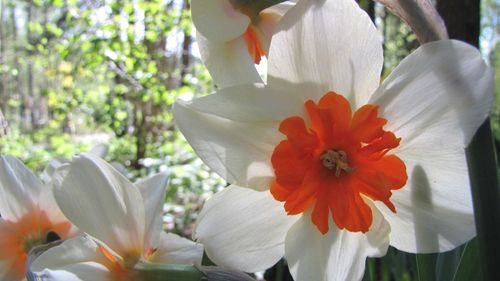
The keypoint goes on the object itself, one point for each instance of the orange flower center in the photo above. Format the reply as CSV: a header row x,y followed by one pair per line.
x,y
17,238
336,163
123,269
254,44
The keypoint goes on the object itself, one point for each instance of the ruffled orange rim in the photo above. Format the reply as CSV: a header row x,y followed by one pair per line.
x,y
336,162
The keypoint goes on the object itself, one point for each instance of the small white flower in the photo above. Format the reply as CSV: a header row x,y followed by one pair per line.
x,y
123,223
29,217
232,38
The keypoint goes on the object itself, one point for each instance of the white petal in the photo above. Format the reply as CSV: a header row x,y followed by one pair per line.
x,y
229,63
442,85
267,25
435,100
120,168
243,229
434,209
174,249
75,259
217,20
103,203
268,21
51,167
281,8
78,272
19,188
328,46
100,150
46,200
338,254
153,193
235,131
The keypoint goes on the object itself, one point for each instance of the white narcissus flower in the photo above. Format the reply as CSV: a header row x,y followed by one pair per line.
x,y
29,217
123,223
232,38
338,167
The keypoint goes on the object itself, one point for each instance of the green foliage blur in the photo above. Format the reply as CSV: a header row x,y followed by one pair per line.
x,y
490,45
77,73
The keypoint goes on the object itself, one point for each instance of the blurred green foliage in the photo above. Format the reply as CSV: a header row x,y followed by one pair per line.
x,y
75,73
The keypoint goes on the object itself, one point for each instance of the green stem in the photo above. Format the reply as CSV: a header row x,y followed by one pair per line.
x,y
426,266
486,198
205,260
170,272
280,270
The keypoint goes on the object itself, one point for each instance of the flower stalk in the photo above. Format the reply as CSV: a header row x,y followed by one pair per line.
x,y
170,272
482,166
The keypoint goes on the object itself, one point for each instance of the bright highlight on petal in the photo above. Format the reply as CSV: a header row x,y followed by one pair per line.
x,y
334,162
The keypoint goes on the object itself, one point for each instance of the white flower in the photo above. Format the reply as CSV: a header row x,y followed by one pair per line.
x,y
232,38
359,165
123,222
29,217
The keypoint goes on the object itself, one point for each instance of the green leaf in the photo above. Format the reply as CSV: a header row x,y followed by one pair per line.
x,y
52,28
483,175
216,273
426,267
370,271
469,267
447,263
57,3
168,272
205,260
151,35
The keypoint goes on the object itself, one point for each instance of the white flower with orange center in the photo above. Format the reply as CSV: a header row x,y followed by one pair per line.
x,y
123,223
329,166
29,217
232,37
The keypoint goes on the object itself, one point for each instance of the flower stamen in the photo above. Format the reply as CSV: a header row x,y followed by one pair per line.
x,y
336,159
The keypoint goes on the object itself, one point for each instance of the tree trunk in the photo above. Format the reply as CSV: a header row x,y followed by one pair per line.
x,y
3,84
17,91
462,18
30,95
186,49
141,132
369,7
4,129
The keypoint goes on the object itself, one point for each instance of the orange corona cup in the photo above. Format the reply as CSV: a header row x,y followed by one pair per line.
x,y
332,164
